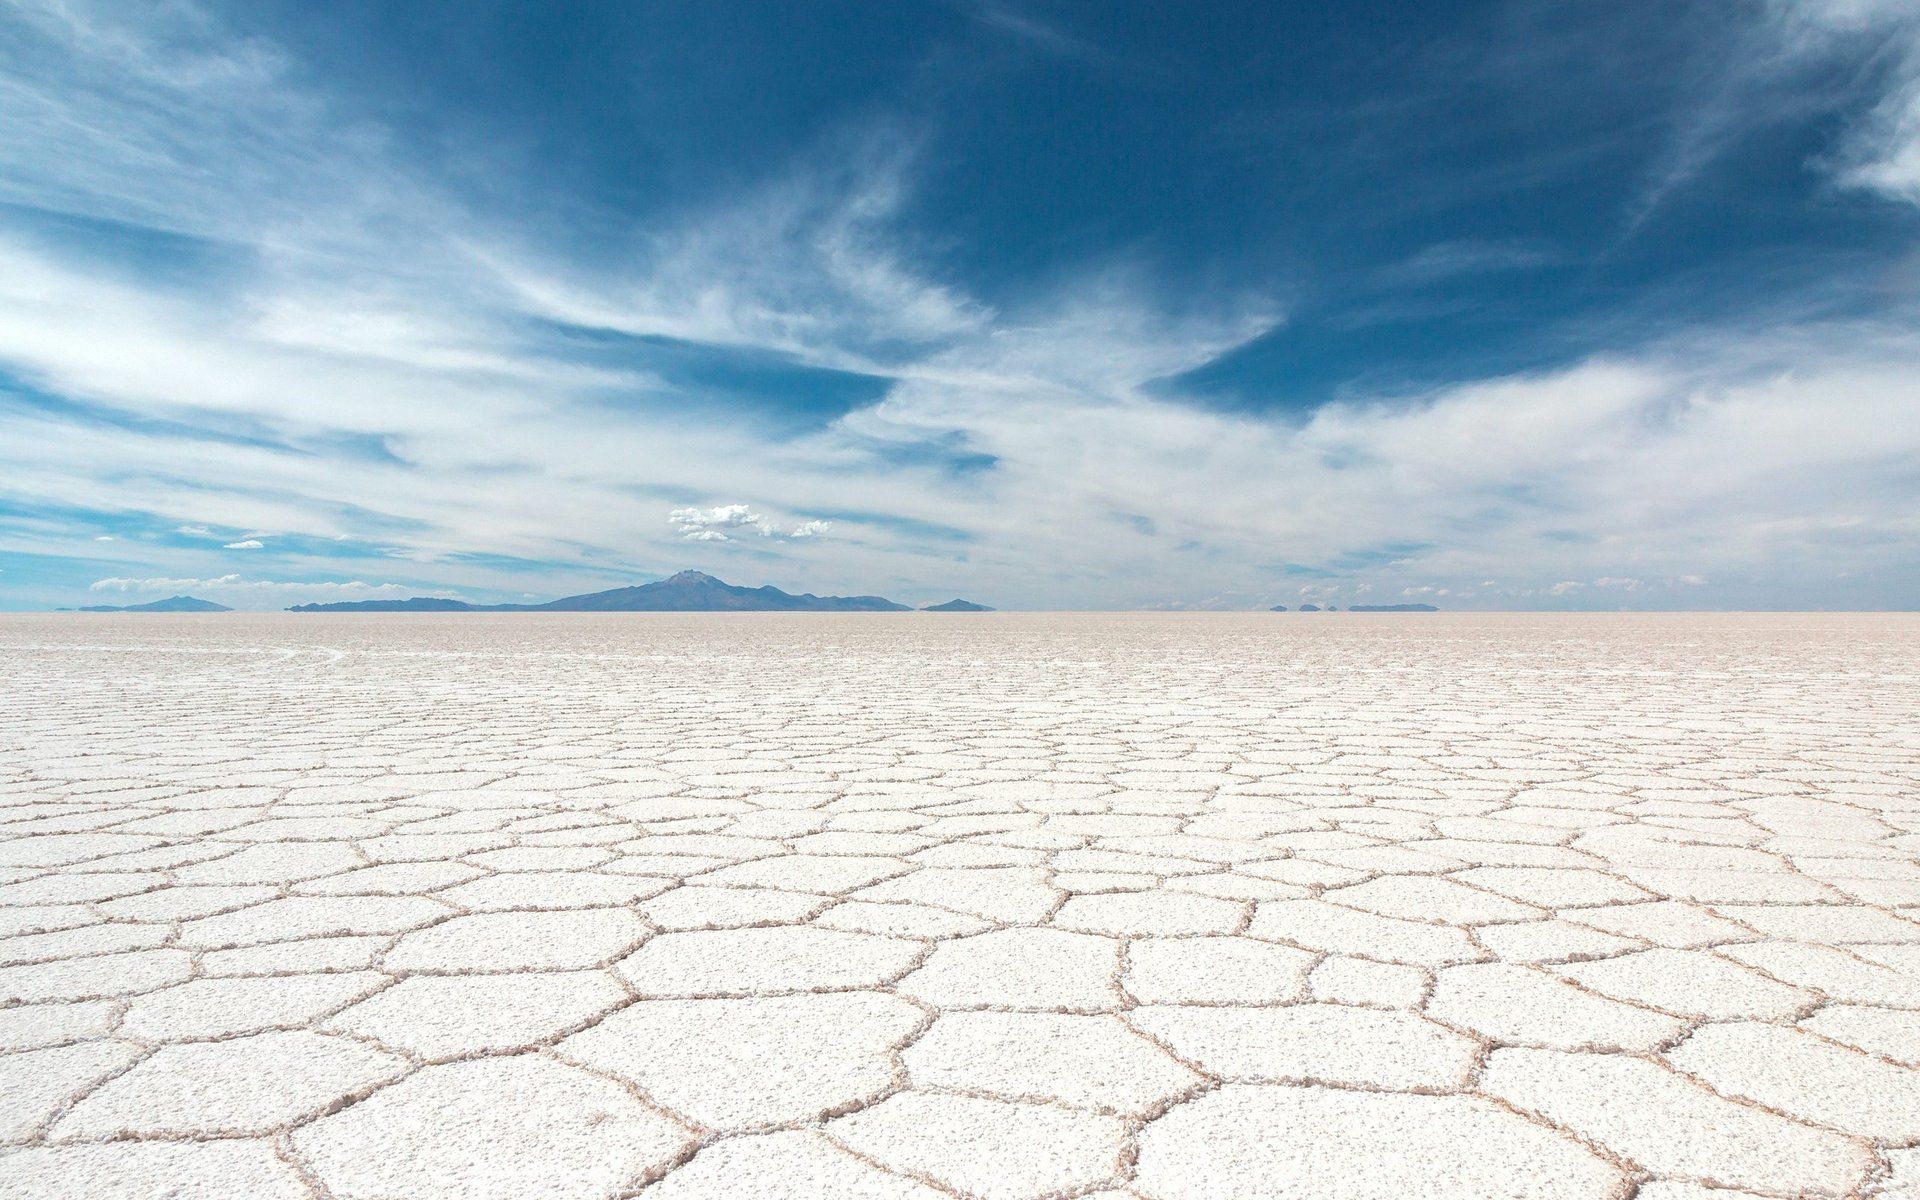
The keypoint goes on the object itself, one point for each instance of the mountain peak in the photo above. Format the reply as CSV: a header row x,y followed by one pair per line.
x,y
688,591
173,604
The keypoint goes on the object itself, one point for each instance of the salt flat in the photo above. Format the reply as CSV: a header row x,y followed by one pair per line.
x,y
1000,906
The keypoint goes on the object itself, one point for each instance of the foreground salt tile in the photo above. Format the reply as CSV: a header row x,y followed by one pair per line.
x,y
186,902
211,1008
1230,1145
282,865
1091,1062
38,1084
106,975
79,943
312,917
697,907
753,1062
986,1148
1553,887
494,893
1020,968
899,920
219,1170
448,1131
1823,923
730,962
1841,974
1343,980
439,1017
246,1085
1525,1007
1669,923
1672,1126
1902,1181
1327,1043
1215,970
1798,1074
825,874
33,1026
784,1166
1553,940
1012,894
520,941
1667,1189
1147,914
1692,983
1426,898
1317,925
1891,1033
351,952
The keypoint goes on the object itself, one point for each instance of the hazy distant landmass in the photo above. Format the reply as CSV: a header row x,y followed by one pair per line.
x,y
412,604
1309,608
174,604
689,591
1278,608
957,606
1393,608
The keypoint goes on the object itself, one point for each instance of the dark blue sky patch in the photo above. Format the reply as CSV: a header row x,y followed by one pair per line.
x,y
777,394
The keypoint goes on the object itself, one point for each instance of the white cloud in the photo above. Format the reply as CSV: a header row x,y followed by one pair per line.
x,y
1880,41
103,538
196,531
248,544
708,524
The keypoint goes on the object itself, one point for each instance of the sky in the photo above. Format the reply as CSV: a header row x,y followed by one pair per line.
x,y
1102,304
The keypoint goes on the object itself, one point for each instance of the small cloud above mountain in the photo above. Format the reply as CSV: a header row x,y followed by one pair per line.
x,y
723,522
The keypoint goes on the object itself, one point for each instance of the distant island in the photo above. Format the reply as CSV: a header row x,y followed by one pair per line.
x,y
957,606
411,604
1393,608
689,591
1309,608
1278,608
172,604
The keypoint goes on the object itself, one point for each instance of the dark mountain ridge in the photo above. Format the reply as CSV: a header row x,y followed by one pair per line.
x,y
688,591
172,604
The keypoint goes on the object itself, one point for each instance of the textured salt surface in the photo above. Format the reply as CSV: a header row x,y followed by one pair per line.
x,y
1021,906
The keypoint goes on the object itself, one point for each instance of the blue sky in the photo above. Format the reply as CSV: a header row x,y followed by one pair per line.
x,y
1051,305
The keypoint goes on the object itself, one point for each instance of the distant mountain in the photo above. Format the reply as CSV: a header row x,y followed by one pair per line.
x,y
1278,608
1309,608
689,591
170,604
1393,608
412,604
694,591
957,606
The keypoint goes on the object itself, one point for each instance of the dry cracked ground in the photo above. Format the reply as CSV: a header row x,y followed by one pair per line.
x,y
1574,907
